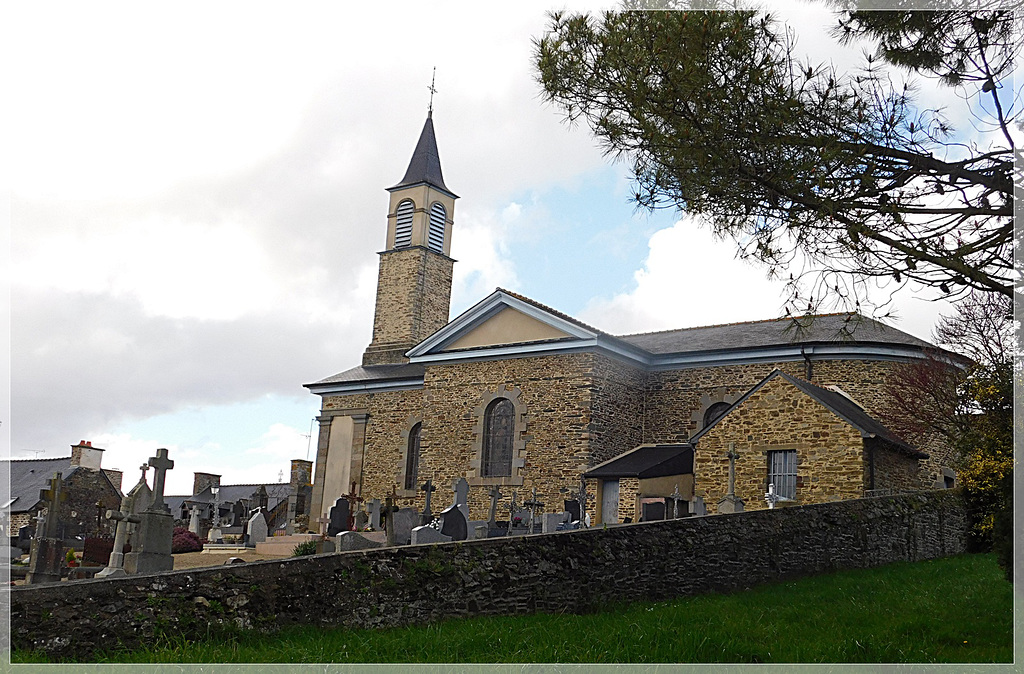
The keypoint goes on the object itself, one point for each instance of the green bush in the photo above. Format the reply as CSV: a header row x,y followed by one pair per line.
x,y
304,548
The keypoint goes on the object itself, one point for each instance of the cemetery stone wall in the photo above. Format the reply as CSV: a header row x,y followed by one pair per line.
x,y
572,571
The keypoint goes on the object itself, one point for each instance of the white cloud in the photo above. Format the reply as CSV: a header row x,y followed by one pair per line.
x,y
688,279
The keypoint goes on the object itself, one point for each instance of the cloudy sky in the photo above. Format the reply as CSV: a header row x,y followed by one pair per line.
x,y
197,200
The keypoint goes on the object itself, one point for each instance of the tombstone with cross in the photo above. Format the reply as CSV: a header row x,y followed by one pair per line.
x,y
676,498
534,505
151,544
730,503
389,510
493,512
123,517
428,488
513,508
47,551
773,497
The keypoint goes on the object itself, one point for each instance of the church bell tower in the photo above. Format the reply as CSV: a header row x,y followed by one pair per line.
x,y
414,283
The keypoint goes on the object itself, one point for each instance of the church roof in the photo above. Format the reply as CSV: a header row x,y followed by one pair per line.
x,y
839,404
824,328
647,461
425,165
375,373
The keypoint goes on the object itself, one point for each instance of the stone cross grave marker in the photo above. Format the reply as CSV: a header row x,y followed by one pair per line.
x,y
534,505
193,520
771,497
730,503
353,505
53,496
124,516
40,520
429,488
493,512
513,507
676,498
154,532
214,534
160,465
373,510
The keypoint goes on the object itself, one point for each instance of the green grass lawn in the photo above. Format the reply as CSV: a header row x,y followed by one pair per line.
x,y
950,610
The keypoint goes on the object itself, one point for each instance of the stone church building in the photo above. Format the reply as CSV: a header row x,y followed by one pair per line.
x,y
514,394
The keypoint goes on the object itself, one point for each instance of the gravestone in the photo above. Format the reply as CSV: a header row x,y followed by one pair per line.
x,y
193,521
454,523
404,520
428,534
156,528
730,503
115,560
339,517
350,540
492,513
652,511
429,488
257,528
699,509
361,521
679,504
535,506
373,509
25,537
550,521
461,488
572,507
47,552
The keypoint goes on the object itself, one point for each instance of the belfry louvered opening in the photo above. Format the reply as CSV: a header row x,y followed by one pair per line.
x,y
403,224
435,239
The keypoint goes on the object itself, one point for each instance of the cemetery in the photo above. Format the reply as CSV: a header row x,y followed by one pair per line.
x,y
369,583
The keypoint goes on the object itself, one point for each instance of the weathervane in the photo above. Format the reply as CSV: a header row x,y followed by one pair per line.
x,y
432,90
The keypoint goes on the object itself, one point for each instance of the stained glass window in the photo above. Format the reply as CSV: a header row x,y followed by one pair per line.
x,y
499,428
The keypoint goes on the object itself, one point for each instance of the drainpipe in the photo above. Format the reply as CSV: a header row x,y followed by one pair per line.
x,y
808,368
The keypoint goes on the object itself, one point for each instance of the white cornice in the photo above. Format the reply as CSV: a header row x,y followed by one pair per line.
x,y
351,387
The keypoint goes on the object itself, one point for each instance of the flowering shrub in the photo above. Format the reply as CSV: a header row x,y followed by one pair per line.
x,y
184,540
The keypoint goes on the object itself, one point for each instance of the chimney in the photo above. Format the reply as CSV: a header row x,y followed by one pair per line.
x,y
204,480
115,476
302,470
84,455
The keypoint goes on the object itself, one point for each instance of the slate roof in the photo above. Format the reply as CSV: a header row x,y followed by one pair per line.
x,y
822,328
379,373
647,461
29,476
840,405
425,165
229,493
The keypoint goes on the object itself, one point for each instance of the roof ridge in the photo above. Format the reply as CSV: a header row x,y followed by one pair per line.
x,y
762,320
45,458
555,312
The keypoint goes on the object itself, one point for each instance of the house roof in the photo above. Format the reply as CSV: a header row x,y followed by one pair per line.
x,y
425,165
375,373
647,461
823,328
29,476
230,493
836,402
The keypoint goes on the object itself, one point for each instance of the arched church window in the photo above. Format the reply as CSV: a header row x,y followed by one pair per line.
x,y
412,457
403,223
499,428
435,240
715,412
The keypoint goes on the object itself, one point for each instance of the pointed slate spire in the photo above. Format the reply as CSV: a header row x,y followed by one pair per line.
x,y
425,165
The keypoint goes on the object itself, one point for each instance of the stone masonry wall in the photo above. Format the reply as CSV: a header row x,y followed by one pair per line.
x,y
556,392
413,294
779,416
574,571
617,409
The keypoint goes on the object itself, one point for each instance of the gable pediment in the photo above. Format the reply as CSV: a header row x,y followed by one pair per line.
x,y
506,323
506,326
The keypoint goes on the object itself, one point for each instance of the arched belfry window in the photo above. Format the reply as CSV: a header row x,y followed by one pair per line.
x,y
412,456
715,412
435,239
403,223
499,430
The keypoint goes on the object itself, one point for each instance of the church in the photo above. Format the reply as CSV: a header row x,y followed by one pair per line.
x,y
514,395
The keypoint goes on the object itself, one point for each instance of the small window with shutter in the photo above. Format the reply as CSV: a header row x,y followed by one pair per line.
x,y
403,224
435,240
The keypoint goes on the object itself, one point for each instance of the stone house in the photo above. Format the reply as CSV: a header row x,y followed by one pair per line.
x,y
515,394
84,481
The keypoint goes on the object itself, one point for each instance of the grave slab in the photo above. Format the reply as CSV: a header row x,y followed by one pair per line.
x,y
426,534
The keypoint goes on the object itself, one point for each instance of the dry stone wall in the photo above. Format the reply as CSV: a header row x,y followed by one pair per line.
x,y
573,571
